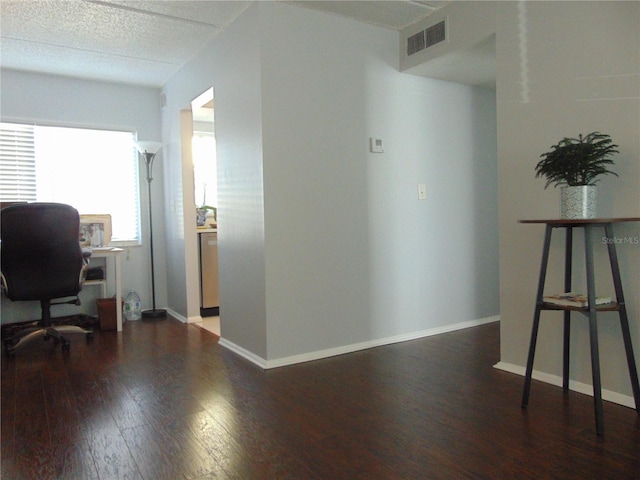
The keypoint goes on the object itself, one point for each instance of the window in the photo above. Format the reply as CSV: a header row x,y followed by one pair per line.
x,y
96,171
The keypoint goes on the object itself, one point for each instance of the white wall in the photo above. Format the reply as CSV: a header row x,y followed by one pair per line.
x,y
53,100
352,255
231,64
336,250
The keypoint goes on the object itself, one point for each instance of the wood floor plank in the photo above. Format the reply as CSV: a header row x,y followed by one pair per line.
x,y
109,449
164,400
157,453
195,460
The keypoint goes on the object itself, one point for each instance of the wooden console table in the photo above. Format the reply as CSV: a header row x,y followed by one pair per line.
x,y
589,226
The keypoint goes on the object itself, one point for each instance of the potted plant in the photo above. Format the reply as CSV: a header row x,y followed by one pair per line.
x,y
575,164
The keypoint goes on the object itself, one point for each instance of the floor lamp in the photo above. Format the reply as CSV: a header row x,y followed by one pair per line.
x,y
148,152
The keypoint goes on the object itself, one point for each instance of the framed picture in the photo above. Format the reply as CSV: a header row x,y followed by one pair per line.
x,y
95,230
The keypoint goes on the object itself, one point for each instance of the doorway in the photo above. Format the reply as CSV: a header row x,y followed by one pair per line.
x,y
203,147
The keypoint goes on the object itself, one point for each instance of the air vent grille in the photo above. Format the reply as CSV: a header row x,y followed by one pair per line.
x,y
415,43
427,38
435,34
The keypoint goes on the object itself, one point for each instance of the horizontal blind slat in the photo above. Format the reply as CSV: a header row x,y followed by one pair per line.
x,y
17,162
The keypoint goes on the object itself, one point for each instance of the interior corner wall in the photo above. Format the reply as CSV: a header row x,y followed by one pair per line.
x,y
70,102
566,68
231,64
352,256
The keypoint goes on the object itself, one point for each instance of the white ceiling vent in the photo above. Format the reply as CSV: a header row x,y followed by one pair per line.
x,y
427,38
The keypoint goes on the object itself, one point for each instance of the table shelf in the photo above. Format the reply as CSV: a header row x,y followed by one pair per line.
x,y
605,307
113,253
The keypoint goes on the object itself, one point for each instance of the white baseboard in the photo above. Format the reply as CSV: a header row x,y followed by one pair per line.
x,y
331,352
183,319
252,357
177,316
611,396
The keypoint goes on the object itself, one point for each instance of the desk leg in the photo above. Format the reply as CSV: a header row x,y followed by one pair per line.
x,y
117,263
624,321
568,257
593,329
536,316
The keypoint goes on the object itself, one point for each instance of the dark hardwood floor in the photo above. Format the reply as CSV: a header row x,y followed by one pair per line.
x,y
165,401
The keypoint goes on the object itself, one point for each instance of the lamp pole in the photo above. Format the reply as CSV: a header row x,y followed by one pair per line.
x,y
148,151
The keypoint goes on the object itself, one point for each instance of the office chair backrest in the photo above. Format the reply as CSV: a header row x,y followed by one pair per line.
x,y
41,253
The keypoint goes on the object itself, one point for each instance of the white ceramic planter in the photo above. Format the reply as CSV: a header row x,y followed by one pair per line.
x,y
578,202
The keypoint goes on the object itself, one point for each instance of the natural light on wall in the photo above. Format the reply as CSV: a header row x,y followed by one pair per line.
x,y
95,171
206,189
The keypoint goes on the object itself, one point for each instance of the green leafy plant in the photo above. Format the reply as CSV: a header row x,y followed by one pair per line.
x,y
577,161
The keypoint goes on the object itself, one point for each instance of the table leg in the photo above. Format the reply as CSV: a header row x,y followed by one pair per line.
x,y
536,316
118,271
568,256
622,310
593,330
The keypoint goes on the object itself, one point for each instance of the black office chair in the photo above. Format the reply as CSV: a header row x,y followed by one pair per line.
x,y
42,260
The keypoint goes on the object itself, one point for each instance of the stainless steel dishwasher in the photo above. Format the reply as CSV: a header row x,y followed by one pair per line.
x,y
209,298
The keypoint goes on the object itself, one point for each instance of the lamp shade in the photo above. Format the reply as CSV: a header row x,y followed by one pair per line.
x,y
149,147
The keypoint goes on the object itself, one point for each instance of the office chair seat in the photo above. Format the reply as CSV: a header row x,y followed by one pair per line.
x,y
42,260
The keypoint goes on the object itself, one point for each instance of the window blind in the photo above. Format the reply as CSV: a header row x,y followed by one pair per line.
x,y
17,163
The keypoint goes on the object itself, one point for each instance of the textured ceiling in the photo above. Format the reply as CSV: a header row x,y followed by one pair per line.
x,y
140,42
145,42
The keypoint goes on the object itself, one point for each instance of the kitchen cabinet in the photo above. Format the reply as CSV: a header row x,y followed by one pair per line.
x,y
209,297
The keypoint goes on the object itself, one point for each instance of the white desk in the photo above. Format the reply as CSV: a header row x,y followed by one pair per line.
x,y
113,253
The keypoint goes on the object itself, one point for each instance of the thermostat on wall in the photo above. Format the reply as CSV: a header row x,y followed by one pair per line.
x,y
375,145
